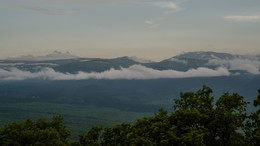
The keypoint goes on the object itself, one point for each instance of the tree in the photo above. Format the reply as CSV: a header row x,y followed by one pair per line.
x,y
253,124
152,130
118,135
41,132
91,138
195,121
229,119
193,112
199,122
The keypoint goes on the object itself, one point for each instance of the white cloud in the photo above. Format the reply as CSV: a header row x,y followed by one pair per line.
x,y
139,60
133,72
251,66
242,18
167,7
173,7
178,60
152,23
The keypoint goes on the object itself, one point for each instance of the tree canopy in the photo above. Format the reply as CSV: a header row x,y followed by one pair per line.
x,y
35,133
195,120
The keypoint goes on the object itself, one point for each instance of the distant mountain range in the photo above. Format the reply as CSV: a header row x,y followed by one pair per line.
x,y
198,55
65,66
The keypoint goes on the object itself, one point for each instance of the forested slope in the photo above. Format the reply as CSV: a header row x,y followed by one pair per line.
x,y
195,119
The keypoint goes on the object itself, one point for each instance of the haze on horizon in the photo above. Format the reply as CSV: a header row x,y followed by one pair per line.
x,y
150,29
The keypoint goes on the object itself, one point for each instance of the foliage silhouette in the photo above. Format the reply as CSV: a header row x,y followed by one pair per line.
x,y
194,121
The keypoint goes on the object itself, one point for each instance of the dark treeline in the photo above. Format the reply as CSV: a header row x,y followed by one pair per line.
x,y
195,121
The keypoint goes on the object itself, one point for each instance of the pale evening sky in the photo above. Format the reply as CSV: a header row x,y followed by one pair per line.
x,y
151,29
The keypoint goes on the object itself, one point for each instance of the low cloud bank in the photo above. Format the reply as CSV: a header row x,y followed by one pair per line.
x,y
133,72
250,66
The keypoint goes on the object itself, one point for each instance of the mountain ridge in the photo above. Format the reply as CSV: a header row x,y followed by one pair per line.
x,y
66,64
201,55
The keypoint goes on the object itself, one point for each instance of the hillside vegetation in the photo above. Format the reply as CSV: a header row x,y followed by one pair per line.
x,y
195,120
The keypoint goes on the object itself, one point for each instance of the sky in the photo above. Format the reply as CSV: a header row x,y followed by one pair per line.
x,y
149,29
